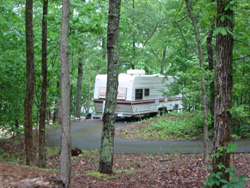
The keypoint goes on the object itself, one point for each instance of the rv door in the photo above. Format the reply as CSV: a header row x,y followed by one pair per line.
x,y
103,107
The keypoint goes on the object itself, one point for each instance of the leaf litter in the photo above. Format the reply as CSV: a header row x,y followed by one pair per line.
x,y
130,170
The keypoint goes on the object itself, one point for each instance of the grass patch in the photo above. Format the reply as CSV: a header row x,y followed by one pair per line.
x,y
51,151
51,170
116,174
126,171
99,175
43,169
6,157
184,126
172,126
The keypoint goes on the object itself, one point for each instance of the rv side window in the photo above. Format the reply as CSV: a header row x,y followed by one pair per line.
x,y
146,92
138,94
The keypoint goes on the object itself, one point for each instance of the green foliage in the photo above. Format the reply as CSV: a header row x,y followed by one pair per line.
x,y
215,179
235,181
52,151
117,173
98,175
168,31
9,158
240,120
182,125
126,171
12,63
230,148
3,155
222,30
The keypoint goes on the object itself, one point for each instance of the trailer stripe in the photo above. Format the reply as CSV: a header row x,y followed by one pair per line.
x,y
132,102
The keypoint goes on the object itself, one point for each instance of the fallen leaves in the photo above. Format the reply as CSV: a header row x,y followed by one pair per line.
x,y
130,170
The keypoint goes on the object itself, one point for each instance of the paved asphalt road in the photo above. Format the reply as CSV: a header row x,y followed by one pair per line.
x,y
87,134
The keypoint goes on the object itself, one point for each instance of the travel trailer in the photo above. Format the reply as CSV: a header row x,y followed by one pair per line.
x,y
138,94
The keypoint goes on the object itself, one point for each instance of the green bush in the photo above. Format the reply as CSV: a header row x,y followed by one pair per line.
x,y
215,179
185,125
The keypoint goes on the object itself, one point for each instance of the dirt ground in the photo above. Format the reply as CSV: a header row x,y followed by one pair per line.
x,y
14,175
130,170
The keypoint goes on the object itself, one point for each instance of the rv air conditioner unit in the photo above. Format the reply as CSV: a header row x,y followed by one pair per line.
x,y
136,72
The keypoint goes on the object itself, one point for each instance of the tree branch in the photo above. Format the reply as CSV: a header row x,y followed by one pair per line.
x,y
241,58
242,42
155,28
182,35
53,48
241,75
176,21
153,32
155,55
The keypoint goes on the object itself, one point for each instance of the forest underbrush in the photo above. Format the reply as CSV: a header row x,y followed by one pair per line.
x,y
130,170
176,127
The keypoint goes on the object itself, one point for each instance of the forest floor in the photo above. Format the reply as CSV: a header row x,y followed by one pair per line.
x,y
130,170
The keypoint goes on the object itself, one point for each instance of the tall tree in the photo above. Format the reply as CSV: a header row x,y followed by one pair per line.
x,y
30,79
203,84
210,57
133,42
107,141
163,60
103,49
42,154
65,96
79,83
223,85
210,54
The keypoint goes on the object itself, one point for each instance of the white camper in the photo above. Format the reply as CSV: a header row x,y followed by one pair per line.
x,y
138,94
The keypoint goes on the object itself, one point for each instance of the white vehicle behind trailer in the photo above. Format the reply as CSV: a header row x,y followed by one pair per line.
x,y
138,94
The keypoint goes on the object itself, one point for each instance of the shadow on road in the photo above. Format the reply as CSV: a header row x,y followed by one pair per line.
x,y
87,134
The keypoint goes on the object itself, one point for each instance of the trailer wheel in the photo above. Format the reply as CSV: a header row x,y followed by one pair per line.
x,y
162,111
165,110
159,113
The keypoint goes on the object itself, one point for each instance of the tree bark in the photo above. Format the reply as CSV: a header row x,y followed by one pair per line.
x,y
57,116
42,154
133,42
103,49
203,84
107,141
88,107
211,68
65,97
30,79
223,89
163,60
79,84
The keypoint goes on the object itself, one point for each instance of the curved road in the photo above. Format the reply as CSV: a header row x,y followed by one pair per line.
x,y
87,134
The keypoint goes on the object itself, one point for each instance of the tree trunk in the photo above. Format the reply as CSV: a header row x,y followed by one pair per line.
x,y
223,89
103,49
163,60
57,113
42,154
107,141
79,84
88,98
65,97
30,79
203,84
133,56
72,100
211,68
